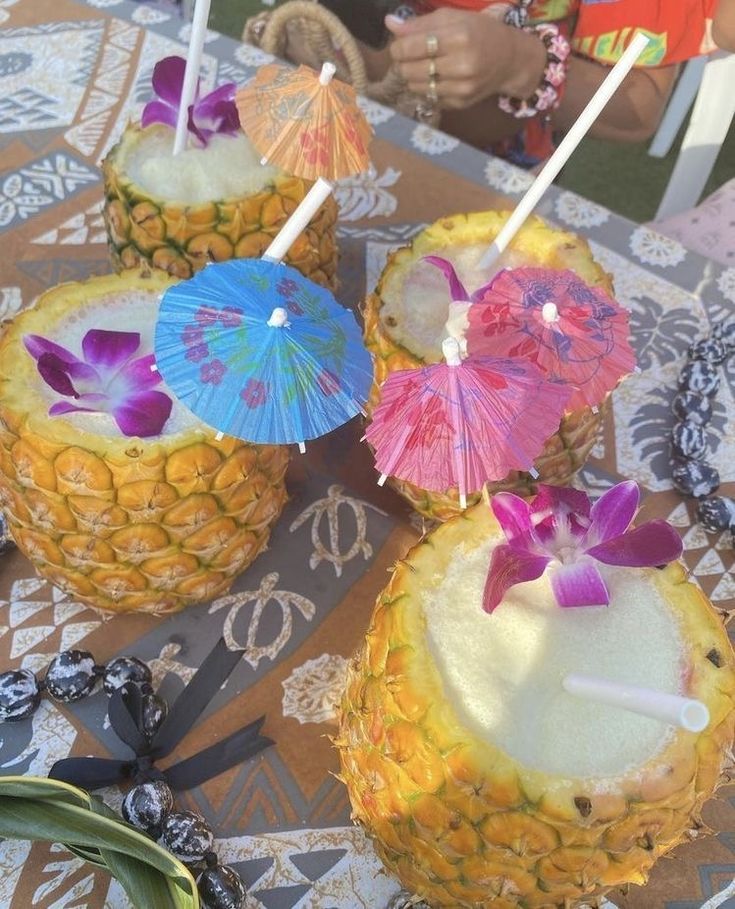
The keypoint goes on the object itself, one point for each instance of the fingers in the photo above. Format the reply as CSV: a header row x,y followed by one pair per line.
x,y
412,47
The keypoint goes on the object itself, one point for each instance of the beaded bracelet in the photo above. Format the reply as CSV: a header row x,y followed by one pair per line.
x,y
549,93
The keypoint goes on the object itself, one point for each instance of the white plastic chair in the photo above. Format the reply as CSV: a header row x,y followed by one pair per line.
x,y
712,80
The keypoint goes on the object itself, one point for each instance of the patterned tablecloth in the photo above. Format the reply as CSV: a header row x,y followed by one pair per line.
x,y
70,77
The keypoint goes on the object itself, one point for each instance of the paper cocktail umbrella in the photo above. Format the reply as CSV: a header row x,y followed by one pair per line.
x,y
311,126
463,422
306,123
259,352
574,333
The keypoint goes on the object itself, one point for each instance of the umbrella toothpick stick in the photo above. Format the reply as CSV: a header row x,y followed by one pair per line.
x,y
566,148
687,713
191,74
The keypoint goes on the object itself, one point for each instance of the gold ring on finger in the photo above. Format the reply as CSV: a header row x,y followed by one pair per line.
x,y
432,45
432,70
432,94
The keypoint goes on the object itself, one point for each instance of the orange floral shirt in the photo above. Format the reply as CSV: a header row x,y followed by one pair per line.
x,y
601,30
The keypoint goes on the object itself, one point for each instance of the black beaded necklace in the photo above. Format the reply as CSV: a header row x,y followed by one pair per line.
x,y
138,715
691,473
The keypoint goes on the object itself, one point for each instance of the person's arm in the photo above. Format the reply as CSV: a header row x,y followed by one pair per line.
x,y
723,25
480,57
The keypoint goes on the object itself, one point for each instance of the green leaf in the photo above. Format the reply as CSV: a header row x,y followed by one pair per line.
x,y
98,828
146,887
42,788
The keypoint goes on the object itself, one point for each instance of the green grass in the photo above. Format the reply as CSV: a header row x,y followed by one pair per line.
x,y
623,178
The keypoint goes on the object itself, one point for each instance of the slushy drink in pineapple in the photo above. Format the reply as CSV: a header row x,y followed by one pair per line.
x,y
113,489
483,781
405,324
212,201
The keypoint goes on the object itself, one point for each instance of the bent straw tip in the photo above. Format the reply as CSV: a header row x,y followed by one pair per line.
x,y
694,716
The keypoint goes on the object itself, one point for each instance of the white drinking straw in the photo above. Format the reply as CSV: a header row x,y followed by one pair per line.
x,y
305,211
191,74
687,713
566,148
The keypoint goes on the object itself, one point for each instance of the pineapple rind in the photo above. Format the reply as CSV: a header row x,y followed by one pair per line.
x,y
180,239
464,825
126,524
567,450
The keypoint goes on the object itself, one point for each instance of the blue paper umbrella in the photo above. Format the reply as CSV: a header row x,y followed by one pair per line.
x,y
259,352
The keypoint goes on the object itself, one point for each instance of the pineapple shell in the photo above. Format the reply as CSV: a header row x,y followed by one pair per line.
x,y
126,524
466,826
181,239
540,245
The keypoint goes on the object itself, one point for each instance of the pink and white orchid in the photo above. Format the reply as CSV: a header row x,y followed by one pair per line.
x,y
214,113
563,531
108,380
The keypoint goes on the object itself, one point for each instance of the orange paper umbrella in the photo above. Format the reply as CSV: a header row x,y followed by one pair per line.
x,y
307,123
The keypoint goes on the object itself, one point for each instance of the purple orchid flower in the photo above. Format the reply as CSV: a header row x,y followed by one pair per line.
x,y
214,113
564,531
107,380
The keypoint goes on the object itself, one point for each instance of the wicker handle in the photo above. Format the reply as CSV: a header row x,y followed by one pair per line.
x,y
323,32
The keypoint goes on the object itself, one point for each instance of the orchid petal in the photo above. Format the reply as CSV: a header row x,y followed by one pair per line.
x,y
653,543
158,112
508,567
456,287
558,509
168,79
208,105
202,133
55,373
109,348
613,513
136,376
143,414
513,514
37,346
579,584
564,498
62,407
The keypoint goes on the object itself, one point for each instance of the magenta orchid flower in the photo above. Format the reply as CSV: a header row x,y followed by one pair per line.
x,y
108,380
562,530
214,113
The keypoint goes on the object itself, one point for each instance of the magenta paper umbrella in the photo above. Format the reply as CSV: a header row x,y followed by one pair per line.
x,y
463,422
574,333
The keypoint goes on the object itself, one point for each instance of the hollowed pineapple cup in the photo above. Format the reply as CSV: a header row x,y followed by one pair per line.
x,y
404,327
125,523
180,237
481,782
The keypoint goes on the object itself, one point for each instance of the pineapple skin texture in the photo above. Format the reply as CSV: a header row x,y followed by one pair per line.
x,y
127,524
181,239
461,823
567,450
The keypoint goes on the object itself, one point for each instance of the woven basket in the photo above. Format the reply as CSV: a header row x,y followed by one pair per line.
x,y
302,31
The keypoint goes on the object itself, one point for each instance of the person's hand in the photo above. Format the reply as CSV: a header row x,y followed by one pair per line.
x,y
477,56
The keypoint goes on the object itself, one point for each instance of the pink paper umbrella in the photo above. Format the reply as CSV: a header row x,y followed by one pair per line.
x,y
463,422
574,333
